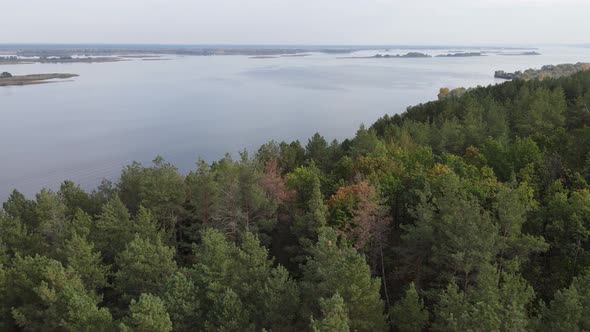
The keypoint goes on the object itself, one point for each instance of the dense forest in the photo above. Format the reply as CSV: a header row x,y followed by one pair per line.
x,y
470,213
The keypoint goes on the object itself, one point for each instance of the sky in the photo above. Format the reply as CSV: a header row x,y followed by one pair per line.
x,y
300,22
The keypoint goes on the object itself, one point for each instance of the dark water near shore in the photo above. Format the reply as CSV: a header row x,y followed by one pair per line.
x,y
88,128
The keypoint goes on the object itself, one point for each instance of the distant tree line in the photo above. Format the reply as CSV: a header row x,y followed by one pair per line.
x,y
548,71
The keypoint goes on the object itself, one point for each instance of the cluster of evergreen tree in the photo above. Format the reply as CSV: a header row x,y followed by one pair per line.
x,y
470,213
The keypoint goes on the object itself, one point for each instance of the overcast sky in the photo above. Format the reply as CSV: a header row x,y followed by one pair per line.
x,y
344,22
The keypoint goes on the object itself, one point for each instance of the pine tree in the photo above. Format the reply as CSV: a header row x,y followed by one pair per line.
x,y
564,313
228,314
486,305
181,298
14,237
145,226
334,316
316,150
409,314
244,205
18,207
79,256
516,296
143,267
339,269
203,194
112,229
75,199
50,213
38,293
264,294
147,314
311,217
159,188
452,234
582,285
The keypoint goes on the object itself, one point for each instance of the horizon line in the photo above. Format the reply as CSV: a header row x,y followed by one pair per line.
x,y
245,45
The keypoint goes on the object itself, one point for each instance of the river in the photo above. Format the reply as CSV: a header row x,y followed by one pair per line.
x,y
191,107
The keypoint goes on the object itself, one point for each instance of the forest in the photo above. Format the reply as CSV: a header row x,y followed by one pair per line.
x,y
469,213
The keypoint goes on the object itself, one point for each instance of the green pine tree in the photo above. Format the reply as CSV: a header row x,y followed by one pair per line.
x,y
148,314
339,269
143,267
409,314
334,316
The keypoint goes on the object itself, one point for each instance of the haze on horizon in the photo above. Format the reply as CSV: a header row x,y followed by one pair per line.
x,y
303,22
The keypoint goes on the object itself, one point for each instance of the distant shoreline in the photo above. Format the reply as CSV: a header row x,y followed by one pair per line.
x,y
17,60
58,50
280,56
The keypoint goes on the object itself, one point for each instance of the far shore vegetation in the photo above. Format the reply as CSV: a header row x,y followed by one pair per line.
x,y
548,71
15,60
460,55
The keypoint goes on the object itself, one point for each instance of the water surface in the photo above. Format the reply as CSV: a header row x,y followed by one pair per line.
x,y
202,107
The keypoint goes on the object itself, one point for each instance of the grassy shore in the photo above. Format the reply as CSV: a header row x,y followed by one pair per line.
x,y
33,79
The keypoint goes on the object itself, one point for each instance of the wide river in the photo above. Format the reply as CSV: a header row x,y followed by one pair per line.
x,y
192,107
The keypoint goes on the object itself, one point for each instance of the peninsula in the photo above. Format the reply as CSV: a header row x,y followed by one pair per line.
x,y
7,79
548,71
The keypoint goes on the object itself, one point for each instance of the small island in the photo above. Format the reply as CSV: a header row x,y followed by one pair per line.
x,y
520,54
407,55
390,56
7,79
295,55
460,55
264,57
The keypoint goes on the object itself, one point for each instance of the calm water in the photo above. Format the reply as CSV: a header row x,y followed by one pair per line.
x,y
190,107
